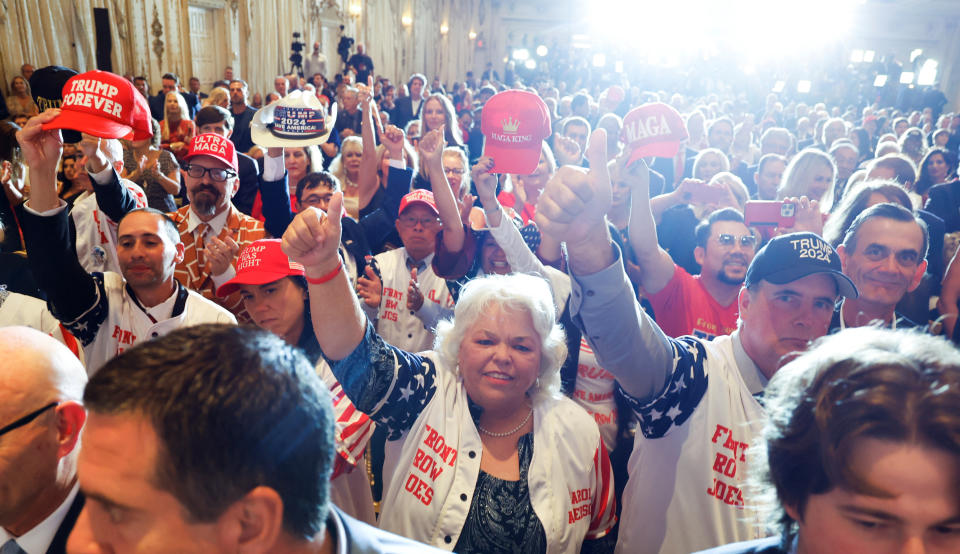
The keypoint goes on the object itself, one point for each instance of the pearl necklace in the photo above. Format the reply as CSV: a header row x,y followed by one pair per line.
x,y
510,432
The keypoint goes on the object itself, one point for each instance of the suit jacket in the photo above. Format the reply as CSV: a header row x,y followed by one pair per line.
x,y
769,545
59,544
249,175
403,112
366,539
944,202
156,104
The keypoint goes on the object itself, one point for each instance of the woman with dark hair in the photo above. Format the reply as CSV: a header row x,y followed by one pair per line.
x,y
939,165
911,145
858,199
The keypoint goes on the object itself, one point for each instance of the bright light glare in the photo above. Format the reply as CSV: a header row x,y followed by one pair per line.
x,y
779,86
599,60
618,66
542,50
472,34
530,64
521,54
856,56
752,28
928,73
906,77
914,54
749,69
407,20
803,87
880,81
869,55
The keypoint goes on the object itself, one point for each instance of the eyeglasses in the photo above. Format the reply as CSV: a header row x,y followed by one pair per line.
x,y
453,171
218,174
748,242
905,258
427,222
27,418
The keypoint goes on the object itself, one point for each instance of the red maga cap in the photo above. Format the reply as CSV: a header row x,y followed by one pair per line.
x,y
261,262
98,103
419,196
654,129
215,146
515,124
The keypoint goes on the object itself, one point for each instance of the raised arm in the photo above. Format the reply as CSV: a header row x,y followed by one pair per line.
x,y
627,343
312,239
368,180
431,149
656,265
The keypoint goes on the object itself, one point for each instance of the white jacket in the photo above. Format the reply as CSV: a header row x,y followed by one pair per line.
x,y
428,495
126,324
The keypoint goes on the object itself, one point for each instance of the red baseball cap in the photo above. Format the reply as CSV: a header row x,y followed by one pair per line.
x,y
98,103
215,146
142,129
654,129
515,124
419,196
261,262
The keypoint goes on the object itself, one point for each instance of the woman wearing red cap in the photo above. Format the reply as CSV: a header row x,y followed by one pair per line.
x,y
274,292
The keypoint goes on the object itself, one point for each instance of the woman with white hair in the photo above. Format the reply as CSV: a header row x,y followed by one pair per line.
x,y
811,174
483,454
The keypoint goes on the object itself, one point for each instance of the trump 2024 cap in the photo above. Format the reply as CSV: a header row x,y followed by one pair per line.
x,y
514,124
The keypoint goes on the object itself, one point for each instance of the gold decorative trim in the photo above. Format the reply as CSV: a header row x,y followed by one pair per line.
x,y
157,28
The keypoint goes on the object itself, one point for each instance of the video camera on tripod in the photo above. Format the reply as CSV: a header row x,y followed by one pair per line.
x,y
296,58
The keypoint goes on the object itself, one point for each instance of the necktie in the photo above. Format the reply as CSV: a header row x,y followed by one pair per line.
x,y
201,258
11,547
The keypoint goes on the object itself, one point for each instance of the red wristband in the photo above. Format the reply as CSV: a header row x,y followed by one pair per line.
x,y
327,277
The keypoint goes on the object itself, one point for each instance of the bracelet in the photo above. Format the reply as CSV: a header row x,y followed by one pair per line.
x,y
327,277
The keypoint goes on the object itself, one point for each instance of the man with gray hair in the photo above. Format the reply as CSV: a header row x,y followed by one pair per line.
x,y
349,116
41,415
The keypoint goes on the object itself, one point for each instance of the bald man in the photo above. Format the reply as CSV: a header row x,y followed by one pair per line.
x,y
41,386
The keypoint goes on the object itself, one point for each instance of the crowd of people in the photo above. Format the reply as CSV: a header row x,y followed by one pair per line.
x,y
359,315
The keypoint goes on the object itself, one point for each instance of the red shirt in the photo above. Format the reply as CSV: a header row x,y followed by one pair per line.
x,y
684,307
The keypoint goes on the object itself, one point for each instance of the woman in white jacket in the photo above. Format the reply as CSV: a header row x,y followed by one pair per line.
x,y
483,453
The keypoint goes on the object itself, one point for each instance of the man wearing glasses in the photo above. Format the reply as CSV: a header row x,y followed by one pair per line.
x,y
212,230
407,299
110,312
883,253
702,305
41,386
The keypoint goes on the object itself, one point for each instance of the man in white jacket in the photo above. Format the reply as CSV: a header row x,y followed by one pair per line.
x,y
107,312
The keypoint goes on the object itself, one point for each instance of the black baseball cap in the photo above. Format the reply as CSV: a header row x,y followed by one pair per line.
x,y
46,87
794,256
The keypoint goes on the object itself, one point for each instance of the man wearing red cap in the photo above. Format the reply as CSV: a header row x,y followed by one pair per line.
x,y
410,298
213,231
106,311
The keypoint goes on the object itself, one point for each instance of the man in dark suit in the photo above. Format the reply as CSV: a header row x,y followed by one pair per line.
x,y
409,106
41,385
214,438
171,82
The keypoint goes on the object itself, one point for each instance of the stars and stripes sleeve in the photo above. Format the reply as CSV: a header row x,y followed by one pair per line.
x,y
680,396
604,508
390,385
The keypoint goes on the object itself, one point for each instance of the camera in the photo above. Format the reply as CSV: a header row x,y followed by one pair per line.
x,y
296,47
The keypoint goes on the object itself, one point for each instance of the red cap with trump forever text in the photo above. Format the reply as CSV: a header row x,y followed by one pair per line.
x,y
101,104
514,124
215,146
